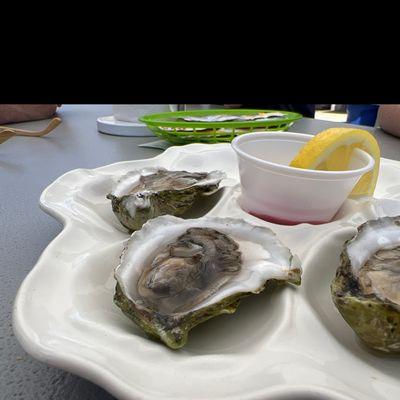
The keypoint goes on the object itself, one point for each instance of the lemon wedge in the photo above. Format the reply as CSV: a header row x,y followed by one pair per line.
x,y
330,150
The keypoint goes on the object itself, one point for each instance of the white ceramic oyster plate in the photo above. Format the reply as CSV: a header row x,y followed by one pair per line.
x,y
288,344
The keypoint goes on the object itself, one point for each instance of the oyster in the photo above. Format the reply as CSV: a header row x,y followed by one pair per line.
x,y
150,192
366,289
262,116
176,273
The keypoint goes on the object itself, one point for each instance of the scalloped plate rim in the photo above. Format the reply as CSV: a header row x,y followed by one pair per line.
x,y
98,374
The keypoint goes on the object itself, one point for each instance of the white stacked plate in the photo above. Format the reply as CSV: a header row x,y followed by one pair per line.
x,y
113,126
124,121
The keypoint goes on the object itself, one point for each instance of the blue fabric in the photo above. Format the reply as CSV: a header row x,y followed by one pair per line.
x,y
362,114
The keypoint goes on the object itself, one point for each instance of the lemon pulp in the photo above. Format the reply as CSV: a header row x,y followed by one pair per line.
x,y
331,150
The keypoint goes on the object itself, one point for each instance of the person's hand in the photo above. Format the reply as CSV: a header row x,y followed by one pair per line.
x,y
25,112
389,118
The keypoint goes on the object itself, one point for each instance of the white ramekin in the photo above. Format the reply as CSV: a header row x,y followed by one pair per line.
x,y
278,193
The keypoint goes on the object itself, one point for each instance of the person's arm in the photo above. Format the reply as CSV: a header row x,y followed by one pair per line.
x,y
389,118
25,112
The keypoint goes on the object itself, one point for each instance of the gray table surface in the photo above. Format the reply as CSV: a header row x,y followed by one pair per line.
x,y
27,166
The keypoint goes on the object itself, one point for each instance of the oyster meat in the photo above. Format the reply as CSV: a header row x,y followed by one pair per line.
x,y
366,289
176,273
150,192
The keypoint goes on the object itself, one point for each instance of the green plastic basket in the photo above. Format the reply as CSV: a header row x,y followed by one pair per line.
x,y
171,127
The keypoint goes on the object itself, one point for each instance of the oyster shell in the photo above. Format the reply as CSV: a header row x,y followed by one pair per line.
x,y
366,289
150,192
176,273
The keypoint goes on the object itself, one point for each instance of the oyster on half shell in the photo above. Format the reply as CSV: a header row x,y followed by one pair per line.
x,y
176,273
150,192
366,289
